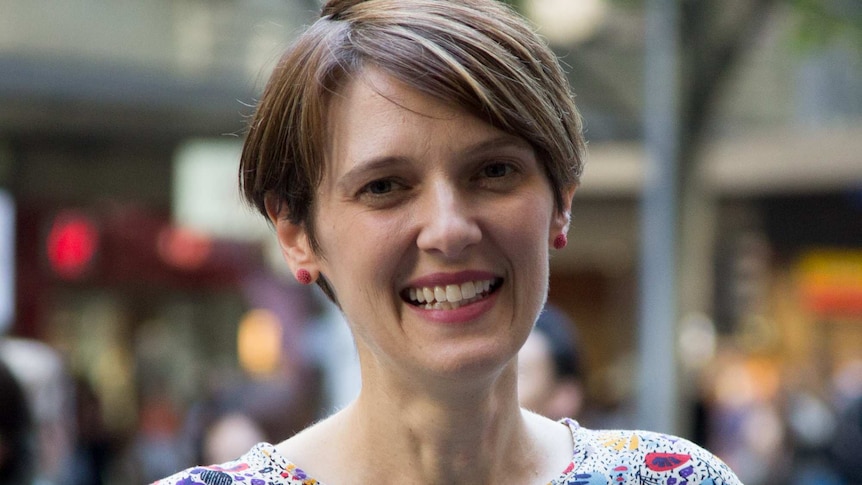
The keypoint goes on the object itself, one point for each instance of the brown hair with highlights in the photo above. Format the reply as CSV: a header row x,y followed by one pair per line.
x,y
477,54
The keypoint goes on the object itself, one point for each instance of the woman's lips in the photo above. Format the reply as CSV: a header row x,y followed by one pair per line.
x,y
450,296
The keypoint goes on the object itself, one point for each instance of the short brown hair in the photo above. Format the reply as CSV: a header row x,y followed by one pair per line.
x,y
477,54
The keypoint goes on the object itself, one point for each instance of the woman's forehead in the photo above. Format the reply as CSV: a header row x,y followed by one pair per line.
x,y
379,93
377,115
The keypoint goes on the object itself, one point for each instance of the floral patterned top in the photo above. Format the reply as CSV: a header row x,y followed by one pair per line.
x,y
600,457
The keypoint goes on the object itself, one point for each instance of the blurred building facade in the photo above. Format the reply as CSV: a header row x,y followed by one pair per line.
x,y
149,297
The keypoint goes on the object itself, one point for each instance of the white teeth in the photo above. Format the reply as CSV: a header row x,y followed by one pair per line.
x,y
453,293
468,290
450,296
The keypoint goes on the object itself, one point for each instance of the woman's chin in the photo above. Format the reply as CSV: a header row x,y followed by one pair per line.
x,y
469,361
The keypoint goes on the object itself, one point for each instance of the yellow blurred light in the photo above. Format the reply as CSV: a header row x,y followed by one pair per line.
x,y
566,22
259,342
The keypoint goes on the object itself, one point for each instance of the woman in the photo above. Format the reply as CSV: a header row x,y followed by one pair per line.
x,y
418,160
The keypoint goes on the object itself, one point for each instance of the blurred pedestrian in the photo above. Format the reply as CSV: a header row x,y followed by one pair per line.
x,y
42,373
550,380
846,444
16,432
93,450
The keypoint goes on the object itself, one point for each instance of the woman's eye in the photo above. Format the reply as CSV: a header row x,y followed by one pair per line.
x,y
496,170
383,193
379,187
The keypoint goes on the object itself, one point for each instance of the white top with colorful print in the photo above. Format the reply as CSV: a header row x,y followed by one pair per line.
x,y
600,457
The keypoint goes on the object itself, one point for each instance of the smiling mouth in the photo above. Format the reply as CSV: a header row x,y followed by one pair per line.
x,y
450,297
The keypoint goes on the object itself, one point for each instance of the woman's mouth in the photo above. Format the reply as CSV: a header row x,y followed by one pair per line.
x,y
450,297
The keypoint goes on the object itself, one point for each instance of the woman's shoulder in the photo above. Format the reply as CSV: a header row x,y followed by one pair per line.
x,y
260,465
637,456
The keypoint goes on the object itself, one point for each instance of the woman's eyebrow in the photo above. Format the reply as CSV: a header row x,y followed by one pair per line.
x,y
504,141
360,171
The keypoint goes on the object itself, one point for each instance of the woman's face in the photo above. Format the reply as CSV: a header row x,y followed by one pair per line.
x,y
434,229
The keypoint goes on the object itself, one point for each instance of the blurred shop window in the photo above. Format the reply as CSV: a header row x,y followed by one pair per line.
x,y
830,282
7,260
206,197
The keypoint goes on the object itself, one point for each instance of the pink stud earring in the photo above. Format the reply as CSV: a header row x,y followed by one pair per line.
x,y
560,241
303,276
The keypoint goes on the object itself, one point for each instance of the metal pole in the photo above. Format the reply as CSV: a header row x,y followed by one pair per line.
x,y
657,369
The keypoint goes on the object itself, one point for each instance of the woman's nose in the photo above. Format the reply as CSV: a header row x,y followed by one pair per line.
x,y
448,222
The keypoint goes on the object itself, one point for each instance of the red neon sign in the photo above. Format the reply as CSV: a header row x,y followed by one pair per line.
x,y
72,244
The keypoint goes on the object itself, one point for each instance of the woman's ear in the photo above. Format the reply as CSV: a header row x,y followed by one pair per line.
x,y
292,239
562,217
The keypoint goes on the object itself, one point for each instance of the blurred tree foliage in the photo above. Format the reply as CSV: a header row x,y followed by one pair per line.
x,y
715,34
515,3
820,22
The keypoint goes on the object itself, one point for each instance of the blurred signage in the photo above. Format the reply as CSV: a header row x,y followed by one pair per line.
x,y
127,243
830,282
7,261
206,196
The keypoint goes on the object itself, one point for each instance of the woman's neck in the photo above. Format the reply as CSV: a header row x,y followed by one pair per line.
x,y
463,436
389,435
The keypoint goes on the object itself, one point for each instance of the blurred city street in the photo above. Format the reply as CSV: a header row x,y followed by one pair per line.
x,y
718,226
